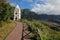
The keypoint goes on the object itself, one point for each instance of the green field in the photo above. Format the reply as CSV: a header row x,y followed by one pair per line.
x,y
40,31
6,29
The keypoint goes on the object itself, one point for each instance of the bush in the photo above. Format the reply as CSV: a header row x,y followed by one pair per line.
x,y
46,32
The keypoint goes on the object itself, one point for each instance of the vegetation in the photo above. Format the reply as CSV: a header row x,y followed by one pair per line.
x,y
6,29
27,14
6,16
41,31
38,30
5,11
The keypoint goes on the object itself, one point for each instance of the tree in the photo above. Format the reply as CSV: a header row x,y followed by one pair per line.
x,y
27,14
6,11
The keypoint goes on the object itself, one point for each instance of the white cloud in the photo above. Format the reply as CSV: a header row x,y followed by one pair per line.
x,y
56,3
28,0
42,8
13,4
51,7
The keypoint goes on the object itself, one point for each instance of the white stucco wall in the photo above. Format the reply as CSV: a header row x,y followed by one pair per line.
x,y
18,11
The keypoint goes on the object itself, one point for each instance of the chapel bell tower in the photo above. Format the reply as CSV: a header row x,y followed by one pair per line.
x,y
17,13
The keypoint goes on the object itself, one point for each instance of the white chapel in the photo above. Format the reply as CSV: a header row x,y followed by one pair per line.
x,y
17,13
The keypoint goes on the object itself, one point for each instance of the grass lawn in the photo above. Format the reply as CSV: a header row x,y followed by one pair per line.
x,y
6,29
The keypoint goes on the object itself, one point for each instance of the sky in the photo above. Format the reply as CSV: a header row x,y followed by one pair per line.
x,y
50,7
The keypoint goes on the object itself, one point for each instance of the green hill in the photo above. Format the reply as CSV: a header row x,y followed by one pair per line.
x,y
40,31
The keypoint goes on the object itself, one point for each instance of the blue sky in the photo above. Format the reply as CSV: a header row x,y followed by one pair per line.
x,y
24,3
39,6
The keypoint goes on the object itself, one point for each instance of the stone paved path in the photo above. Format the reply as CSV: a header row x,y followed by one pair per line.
x,y
16,34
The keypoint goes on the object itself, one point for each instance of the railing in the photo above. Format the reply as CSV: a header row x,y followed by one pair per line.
x,y
25,32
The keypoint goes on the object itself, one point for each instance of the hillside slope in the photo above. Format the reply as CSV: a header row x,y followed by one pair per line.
x,y
39,30
27,14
